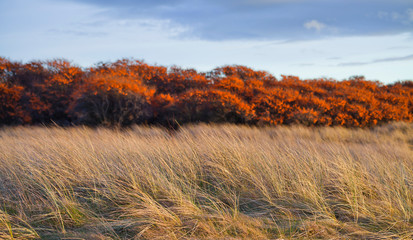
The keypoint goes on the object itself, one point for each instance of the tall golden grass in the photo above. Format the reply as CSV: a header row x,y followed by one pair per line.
x,y
207,182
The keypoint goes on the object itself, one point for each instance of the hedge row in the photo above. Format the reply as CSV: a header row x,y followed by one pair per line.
x,y
132,92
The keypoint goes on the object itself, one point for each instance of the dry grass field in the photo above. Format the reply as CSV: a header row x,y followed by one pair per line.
x,y
207,182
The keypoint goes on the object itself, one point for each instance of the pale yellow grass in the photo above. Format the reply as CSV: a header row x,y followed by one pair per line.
x,y
207,182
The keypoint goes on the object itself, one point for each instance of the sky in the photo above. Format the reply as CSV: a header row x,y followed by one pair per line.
x,y
306,38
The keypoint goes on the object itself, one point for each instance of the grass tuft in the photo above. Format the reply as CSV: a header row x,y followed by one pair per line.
x,y
207,182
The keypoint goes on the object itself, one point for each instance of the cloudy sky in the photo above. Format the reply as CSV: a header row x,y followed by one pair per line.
x,y
306,38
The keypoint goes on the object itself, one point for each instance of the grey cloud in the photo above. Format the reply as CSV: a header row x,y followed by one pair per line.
x,y
350,64
305,64
408,57
393,59
77,33
314,24
263,19
399,47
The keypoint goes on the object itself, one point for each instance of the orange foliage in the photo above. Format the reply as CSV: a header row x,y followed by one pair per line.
x,y
243,73
122,85
11,111
214,106
232,84
130,91
179,80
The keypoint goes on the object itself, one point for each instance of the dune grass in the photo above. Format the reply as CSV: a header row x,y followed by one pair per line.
x,y
207,182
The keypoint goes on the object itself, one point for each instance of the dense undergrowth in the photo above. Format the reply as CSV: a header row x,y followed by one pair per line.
x,y
132,92
207,182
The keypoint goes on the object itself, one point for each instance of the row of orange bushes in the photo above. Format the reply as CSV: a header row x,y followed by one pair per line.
x,y
128,91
